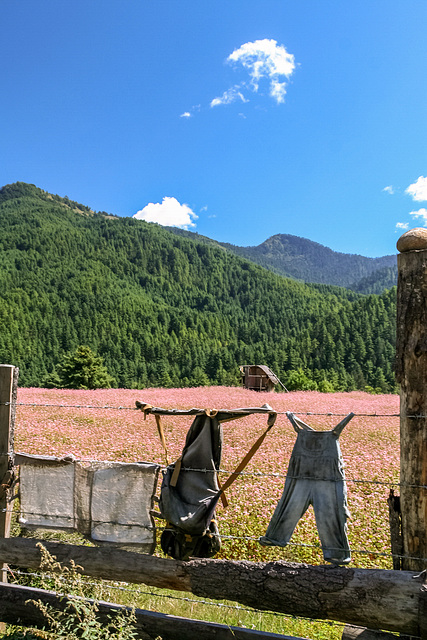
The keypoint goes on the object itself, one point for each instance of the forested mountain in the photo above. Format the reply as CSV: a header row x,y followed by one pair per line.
x,y
377,281
310,261
168,310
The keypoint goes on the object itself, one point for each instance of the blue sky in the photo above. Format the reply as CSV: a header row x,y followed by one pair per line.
x,y
240,119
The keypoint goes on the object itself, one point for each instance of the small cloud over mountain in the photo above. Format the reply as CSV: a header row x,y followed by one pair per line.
x,y
168,213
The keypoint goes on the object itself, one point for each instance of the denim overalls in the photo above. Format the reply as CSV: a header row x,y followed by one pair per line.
x,y
315,476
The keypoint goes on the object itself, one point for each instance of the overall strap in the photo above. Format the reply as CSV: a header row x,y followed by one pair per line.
x,y
146,409
338,429
162,437
298,424
271,420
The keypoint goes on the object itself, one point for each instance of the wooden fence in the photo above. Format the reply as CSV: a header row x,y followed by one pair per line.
x,y
388,600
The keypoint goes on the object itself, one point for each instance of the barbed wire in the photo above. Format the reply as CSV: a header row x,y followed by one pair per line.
x,y
70,406
53,516
124,408
261,474
317,547
256,474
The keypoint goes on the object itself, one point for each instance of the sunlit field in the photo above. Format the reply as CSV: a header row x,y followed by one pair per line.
x,y
106,426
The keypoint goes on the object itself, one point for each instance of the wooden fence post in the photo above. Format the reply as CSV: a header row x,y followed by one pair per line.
x,y
8,391
411,373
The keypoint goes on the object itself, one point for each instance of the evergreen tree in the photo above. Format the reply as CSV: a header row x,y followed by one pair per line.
x,y
83,370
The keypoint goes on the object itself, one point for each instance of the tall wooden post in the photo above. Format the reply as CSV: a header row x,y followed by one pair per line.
x,y
411,373
8,392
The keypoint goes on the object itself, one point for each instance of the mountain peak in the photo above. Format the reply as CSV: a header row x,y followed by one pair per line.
x,y
20,190
25,190
310,261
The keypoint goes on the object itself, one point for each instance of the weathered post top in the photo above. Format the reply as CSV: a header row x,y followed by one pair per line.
x,y
413,240
411,374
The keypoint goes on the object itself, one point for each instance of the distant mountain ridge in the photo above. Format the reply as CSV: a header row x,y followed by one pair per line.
x,y
309,261
284,254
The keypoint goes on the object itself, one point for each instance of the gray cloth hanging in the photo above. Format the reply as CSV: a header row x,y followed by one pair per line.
x,y
315,477
46,491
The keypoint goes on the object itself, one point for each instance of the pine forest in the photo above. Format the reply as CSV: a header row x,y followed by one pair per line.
x,y
163,309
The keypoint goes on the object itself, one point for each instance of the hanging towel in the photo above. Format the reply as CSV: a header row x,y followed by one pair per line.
x,y
122,500
109,502
46,487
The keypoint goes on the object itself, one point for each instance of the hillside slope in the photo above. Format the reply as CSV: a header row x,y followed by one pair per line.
x,y
309,261
167,310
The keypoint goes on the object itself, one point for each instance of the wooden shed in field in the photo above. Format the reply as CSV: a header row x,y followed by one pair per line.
x,y
258,377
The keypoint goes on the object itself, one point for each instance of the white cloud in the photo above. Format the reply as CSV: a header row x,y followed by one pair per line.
x,y
421,213
266,59
229,96
418,190
278,91
190,113
402,225
168,213
389,189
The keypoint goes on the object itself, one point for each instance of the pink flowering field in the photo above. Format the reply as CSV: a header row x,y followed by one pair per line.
x,y
104,425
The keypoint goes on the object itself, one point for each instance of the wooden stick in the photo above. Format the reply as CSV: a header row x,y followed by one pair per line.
x,y
15,609
395,521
